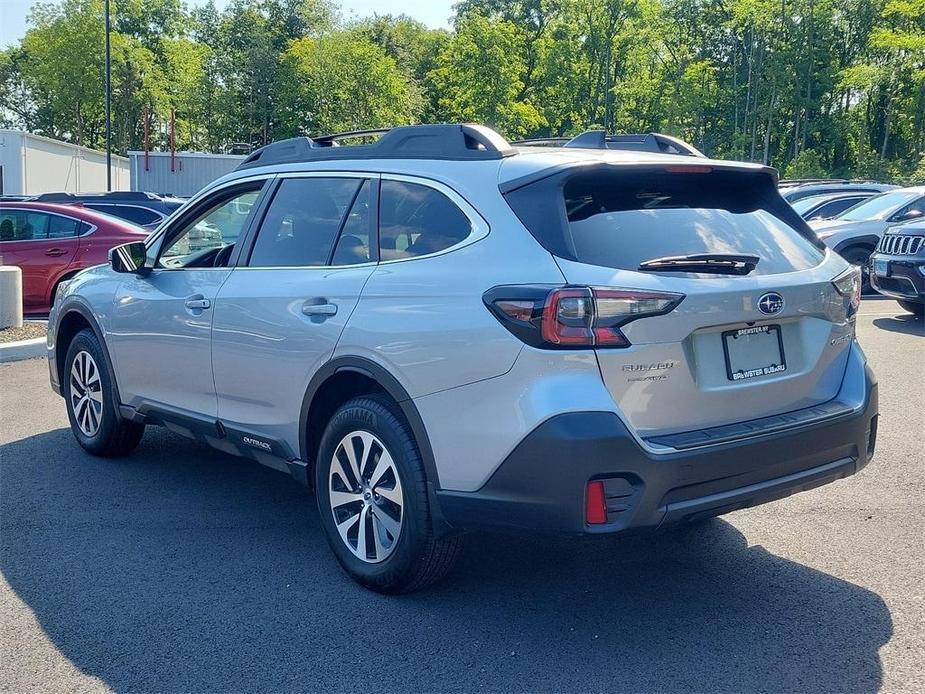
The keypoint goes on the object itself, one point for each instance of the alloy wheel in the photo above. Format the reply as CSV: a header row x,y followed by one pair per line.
x,y
366,496
86,393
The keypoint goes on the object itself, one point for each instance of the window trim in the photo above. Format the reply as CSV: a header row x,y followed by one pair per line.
x,y
91,226
480,228
373,178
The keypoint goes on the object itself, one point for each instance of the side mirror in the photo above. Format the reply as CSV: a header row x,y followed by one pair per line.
x,y
129,257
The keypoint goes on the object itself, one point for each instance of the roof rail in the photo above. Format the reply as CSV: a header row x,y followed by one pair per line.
x,y
460,142
112,195
806,181
542,142
640,142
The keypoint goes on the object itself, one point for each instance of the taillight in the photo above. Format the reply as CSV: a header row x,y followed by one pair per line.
x,y
575,317
848,284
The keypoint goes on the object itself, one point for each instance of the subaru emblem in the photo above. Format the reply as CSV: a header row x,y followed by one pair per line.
x,y
771,303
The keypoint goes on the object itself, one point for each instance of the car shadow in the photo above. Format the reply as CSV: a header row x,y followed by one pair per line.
x,y
183,569
906,323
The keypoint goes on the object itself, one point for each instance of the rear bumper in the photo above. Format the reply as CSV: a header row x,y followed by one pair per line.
x,y
905,280
542,484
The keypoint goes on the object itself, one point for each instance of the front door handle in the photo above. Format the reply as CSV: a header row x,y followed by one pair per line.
x,y
55,252
310,309
200,304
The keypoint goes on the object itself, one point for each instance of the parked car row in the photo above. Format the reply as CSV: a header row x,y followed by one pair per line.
x,y
853,219
52,242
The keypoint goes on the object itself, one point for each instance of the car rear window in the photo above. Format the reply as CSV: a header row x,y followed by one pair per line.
x,y
621,218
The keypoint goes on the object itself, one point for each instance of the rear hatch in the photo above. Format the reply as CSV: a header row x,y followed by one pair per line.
x,y
761,329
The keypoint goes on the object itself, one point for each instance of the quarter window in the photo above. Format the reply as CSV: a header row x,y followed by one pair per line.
x,y
303,220
417,220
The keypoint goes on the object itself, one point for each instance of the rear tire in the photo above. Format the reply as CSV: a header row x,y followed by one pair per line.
x,y
379,523
91,407
916,307
860,257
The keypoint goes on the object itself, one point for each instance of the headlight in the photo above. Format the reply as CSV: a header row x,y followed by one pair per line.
x,y
848,284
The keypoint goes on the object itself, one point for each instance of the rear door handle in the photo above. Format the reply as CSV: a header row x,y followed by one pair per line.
x,y
55,252
200,304
310,309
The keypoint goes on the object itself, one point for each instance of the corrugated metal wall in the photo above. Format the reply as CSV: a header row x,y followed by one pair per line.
x,y
192,171
34,164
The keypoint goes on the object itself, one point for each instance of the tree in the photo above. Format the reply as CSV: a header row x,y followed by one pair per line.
x,y
479,74
342,82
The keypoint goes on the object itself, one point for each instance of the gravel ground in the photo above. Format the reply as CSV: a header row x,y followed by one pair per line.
x,y
183,569
28,331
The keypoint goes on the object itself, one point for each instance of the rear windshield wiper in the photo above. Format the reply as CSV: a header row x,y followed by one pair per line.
x,y
711,263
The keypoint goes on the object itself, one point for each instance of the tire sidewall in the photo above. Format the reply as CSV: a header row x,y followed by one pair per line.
x,y
373,416
85,341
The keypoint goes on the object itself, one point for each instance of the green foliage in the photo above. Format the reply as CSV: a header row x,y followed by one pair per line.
x,y
814,87
342,82
479,75
807,164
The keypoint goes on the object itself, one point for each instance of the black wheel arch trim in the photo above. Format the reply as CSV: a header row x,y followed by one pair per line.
x,y
78,306
391,385
870,240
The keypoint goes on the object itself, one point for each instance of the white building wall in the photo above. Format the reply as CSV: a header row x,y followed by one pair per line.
x,y
33,164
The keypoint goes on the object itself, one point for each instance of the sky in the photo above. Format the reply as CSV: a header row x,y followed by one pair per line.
x,y
433,13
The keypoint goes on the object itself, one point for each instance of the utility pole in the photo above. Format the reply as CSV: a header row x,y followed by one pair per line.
x,y
108,107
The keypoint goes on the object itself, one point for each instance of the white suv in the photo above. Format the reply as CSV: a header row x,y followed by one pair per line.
x,y
440,332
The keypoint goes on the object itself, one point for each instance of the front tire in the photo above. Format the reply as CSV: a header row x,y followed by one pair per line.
x,y
916,307
91,407
371,491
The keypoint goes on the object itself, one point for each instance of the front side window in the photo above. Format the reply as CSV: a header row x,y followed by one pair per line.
x,y
21,225
417,220
303,220
208,240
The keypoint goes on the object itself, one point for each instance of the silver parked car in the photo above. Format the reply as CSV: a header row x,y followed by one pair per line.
x,y
855,233
828,205
441,332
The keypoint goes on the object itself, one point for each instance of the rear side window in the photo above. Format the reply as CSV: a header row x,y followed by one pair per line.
x,y
137,215
62,227
621,219
303,221
417,220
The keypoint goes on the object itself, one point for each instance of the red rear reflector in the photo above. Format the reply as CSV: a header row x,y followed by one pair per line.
x,y
595,504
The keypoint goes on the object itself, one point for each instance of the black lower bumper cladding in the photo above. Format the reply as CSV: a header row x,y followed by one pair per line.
x,y
542,483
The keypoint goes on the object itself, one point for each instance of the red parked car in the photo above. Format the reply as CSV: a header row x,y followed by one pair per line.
x,y
53,242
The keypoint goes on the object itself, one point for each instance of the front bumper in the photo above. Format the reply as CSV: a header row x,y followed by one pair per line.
x,y
542,483
903,278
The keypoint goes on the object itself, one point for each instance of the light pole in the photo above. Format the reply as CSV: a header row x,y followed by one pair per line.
x,y
108,107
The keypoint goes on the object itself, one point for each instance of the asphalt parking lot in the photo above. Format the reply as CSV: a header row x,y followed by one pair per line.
x,y
184,569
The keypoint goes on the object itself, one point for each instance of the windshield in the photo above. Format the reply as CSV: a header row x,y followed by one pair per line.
x,y
878,207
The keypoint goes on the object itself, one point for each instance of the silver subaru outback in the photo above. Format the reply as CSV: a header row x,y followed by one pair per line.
x,y
441,331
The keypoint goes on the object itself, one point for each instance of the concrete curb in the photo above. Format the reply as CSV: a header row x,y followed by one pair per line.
x,y
23,349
